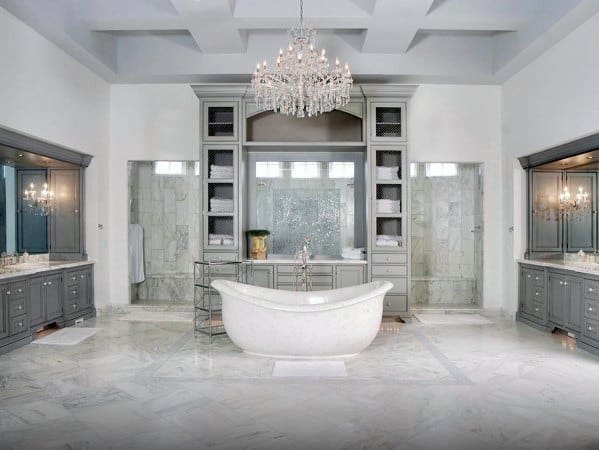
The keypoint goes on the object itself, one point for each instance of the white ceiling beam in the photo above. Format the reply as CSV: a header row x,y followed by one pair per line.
x,y
212,25
120,24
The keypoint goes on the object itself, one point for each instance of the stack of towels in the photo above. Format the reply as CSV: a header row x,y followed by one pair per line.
x,y
221,205
352,253
221,171
387,173
386,240
388,206
220,239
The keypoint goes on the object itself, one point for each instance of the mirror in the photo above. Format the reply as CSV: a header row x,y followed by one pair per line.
x,y
26,200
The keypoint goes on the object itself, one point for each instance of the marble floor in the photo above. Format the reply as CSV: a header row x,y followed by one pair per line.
x,y
154,386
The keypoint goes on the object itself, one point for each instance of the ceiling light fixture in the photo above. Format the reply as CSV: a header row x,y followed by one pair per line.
x,y
302,83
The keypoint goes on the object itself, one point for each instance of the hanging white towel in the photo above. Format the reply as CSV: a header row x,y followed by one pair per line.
x,y
136,253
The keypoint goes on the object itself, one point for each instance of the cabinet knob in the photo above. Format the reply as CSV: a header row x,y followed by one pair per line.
x,y
565,283
561,282
20,324
536,278
388,258
74,305
7,292
590,328
81,276
73,278
536,293
49,283
20,307
528,276
74,292
590,309
19,290
590,289
45,284
537,309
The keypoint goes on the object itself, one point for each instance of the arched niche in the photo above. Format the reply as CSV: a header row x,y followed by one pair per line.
x,y
334,126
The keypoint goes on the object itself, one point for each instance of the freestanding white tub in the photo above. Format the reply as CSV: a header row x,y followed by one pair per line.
x,y
317,324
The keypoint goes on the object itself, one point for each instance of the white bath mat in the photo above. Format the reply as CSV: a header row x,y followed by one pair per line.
x,y
452,319
309,369
67,336
158,316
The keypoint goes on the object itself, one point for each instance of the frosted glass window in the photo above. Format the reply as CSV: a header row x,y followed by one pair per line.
x,y
303,169
441,169
341,169
169,168
196,168
268,169
413,170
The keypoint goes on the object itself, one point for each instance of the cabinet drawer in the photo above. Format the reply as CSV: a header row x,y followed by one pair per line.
x,y
538,294
220,256
317,269
17,307
591,308
388,258
230,269
17,290
538,309
316,279
72,292
591,328
591,289
400,285
538,276
395,303
401,271
74,278
72,306
19,324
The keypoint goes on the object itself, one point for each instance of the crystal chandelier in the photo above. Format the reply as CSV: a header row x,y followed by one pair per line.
x,y
302,82
40,204
578,204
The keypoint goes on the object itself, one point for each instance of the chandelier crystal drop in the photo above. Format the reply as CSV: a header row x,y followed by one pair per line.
x,y
578,203
302,82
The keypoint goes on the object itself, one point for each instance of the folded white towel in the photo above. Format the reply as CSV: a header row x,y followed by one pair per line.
x,y
221,171
387,173
228,242
386,243
388,206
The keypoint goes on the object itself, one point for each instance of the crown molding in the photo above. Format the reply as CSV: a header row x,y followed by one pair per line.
x,y
388,90
573,148
220,89
15,139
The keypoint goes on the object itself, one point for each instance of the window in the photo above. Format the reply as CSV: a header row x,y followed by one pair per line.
x,y
341,169
441,169
413,170
268,169
169,168
196,168
302,169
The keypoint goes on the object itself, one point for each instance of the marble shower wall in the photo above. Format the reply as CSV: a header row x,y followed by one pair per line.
x,y
168,209
447,251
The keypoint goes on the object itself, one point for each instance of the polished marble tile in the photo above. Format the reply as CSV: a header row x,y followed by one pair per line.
x,y
154,385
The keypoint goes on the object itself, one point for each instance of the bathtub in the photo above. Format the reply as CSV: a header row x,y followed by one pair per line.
x,y
318,324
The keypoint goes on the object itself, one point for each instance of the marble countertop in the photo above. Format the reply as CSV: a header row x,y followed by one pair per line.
x,y
574,266
31,268
312,261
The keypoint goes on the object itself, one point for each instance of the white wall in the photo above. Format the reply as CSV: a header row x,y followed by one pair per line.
x,y
147,122
47,94
461,123
553,100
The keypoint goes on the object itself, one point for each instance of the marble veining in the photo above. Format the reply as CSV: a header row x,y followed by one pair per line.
x,y
150,385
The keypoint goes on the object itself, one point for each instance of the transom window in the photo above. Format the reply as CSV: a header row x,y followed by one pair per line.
x,y
441,170
305,169
339,169
169,168
268,169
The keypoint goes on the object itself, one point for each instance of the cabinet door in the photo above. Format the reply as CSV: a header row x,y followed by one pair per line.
x,y
529,292
4,324
85,297
558,285
54,296
220,121
349,276
32,228
37,302
65,225
546,221
574,304
388,121
581,228
264,276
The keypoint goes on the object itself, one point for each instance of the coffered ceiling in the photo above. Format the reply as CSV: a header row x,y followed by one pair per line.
x,y
466,41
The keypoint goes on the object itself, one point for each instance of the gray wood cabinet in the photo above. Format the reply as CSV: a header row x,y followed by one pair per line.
x,y
264,276
581,229
53,296
65,220
4,323
45,299
32,228
558,291
78,292
546,225
574,305
346,276
37,301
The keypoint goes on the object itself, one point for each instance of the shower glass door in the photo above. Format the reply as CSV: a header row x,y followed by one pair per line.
x,y
446,234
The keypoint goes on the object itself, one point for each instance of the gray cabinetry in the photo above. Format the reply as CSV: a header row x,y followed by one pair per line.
x,y
4,323
574,305
558,289
264,276
32,228
545,221
581,229
346,276
45,294
65,220
78,292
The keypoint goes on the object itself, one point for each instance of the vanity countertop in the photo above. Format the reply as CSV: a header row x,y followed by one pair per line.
x,y
31,268
312,261
574,266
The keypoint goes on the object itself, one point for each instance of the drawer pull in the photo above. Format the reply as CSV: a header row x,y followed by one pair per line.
x,y
388,258
81,276
19,290
528,276
73,278
565,283
537,309
20,324
49,283
74,305
73,292
7,292
45,284
590,289
19,308
536,293
561,282
590,328
590,309
537,278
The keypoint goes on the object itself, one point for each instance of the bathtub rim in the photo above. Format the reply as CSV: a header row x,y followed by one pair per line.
x,y
227,287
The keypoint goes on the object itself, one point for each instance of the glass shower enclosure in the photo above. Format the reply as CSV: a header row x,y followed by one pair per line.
x,y
446,234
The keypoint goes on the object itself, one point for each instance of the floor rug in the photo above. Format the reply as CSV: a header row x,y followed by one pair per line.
x,y
309,369
67,336
451,319
158,316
